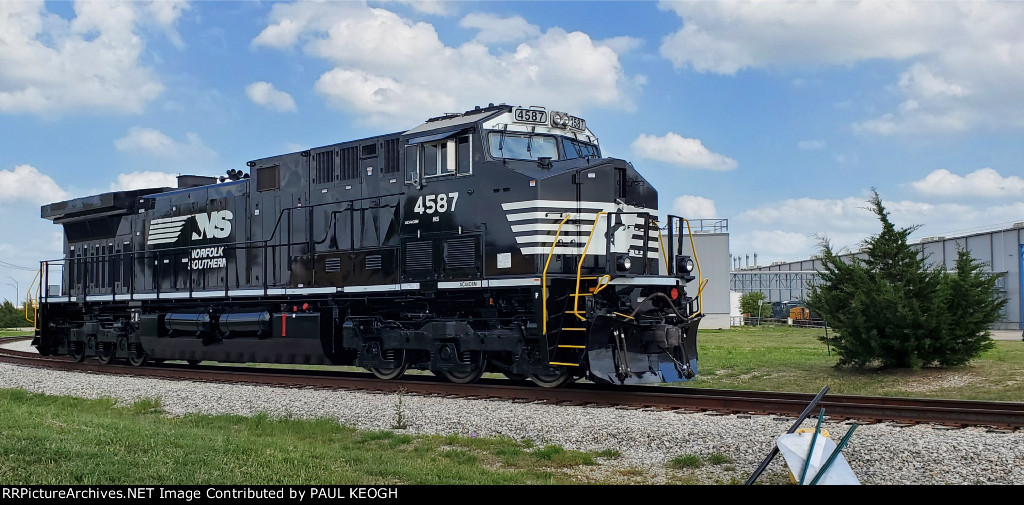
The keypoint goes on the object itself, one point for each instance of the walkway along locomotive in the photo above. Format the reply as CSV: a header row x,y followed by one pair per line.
x,y
493,240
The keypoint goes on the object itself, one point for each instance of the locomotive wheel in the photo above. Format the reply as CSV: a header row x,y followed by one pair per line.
x,y
388,373
552,379
105,353
467,377
77,351
136,356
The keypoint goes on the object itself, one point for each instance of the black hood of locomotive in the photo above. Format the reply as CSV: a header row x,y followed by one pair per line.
x,y
596,179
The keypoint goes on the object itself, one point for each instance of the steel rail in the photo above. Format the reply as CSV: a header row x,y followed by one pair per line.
x,y
863,409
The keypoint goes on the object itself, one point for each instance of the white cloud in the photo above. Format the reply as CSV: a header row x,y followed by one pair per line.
x,y
143,180
494,29
694,207
379,56
435,7
263,93
51,66
26,184
622,44
677,150
810,145
773,243
985,183
964,60
165,14
789,230
726,37
154,142
380,97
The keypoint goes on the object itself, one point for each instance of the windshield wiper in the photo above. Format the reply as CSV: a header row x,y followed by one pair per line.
x,y
501,143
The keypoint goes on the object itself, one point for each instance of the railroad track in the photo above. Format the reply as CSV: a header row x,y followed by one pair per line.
x,y
862,409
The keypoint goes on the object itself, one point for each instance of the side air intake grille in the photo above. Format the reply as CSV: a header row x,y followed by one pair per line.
x,y
460,253
332,264
373,262
419,256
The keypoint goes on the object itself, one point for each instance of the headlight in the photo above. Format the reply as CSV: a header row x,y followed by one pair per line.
x,y
559,119
623,263
684,264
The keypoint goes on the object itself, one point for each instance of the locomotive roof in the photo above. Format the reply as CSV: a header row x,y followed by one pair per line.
x,y
454,121
105,203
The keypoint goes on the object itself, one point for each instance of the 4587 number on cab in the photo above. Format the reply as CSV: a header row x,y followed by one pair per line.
x,y
429,204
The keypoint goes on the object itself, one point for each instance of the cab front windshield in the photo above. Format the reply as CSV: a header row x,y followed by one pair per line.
x,y
522,147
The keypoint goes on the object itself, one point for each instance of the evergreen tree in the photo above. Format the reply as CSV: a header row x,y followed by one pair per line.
x,y
890,309
969,309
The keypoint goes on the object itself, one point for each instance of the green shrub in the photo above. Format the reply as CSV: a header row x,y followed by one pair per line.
x,y
890,309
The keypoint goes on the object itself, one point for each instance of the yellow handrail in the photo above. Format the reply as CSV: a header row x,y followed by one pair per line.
x,y
661,242
579,268
700,283
30,301
544,275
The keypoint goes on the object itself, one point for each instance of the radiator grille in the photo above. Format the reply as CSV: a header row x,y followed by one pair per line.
x,y
324,167
349,163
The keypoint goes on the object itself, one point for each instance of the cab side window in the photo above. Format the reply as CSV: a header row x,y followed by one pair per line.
x,y
451,156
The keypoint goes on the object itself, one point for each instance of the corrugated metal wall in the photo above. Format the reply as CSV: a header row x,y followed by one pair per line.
x,y
1000,249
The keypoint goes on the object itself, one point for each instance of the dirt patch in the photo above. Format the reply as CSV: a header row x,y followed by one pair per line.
x,y
937,381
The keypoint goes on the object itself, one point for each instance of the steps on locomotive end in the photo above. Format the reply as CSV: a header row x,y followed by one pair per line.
x,y
570,346
569,328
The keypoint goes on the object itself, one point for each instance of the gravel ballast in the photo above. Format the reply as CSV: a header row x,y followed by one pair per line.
x,y
647,440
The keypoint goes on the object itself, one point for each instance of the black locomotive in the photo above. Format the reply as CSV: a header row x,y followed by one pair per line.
x,y
495,240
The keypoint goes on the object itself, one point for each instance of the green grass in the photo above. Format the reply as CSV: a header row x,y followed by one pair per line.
x,y
783,358
685,461
64,440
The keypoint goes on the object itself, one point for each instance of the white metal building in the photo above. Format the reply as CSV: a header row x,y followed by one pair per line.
x,y
1002,250
711,238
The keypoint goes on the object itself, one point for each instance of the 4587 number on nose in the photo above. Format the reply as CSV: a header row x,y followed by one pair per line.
x,y
429,204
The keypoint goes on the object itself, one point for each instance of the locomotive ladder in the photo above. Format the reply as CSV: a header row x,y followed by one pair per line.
x,y
569,337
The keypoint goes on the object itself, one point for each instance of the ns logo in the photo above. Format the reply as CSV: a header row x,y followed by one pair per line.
x,y
216,224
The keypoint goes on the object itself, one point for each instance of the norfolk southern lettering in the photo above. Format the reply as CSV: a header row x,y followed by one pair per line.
x,y
499,239
207,257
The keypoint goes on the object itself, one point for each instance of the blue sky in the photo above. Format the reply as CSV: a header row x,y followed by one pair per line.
x,y
778,116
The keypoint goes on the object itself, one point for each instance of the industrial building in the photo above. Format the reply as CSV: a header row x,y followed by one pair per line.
x,y
711,245
1001,250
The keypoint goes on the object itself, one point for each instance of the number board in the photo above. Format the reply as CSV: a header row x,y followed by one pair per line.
x,y
577,123
530,115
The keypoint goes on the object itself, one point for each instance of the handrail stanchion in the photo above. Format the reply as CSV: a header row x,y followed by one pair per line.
x,y
579,268
544,277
